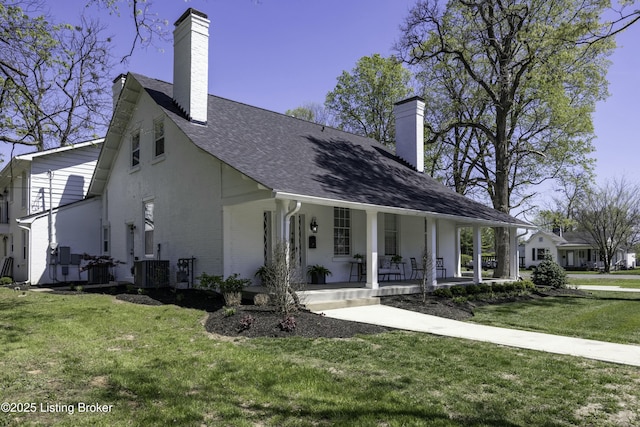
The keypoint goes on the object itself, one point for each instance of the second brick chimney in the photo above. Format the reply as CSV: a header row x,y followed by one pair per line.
x,y
191,64
409,116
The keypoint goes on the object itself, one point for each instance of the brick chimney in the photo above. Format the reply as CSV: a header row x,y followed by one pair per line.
x,y
191,64
409,116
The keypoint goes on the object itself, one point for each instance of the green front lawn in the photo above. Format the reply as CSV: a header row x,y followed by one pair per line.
x,y
607,316
157,366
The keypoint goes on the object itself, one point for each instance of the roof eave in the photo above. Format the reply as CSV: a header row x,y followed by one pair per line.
x,y
283,195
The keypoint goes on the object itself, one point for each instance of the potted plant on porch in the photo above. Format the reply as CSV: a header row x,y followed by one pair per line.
x,y
318,274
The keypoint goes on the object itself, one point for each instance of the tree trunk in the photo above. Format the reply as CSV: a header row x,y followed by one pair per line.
x,y
501,188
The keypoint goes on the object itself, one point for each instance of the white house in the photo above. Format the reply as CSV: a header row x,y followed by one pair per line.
x,y
572,250
33,183
185,175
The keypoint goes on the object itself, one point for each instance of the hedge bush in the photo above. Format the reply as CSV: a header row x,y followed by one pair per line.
x,y
549,273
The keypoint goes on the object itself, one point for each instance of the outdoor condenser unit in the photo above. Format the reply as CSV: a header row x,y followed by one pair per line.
x,y
151,273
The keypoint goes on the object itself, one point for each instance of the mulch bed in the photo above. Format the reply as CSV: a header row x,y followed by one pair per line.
x,y
253,321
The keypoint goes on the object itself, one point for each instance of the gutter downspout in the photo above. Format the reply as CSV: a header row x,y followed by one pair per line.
x,y
287,228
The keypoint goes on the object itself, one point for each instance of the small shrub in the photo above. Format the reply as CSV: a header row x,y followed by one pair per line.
x,y
472,289
246,322
484,288
261,300
209,282
549,273
519,286
141,291
228,311
5,280
232,284
528,285
497,288
459,299
78,288
509,287
443,293
288,324
458,291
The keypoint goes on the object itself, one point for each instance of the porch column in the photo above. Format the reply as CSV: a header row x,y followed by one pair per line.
x,y
458,269
515,256
372,249
281,212
432,239
477,255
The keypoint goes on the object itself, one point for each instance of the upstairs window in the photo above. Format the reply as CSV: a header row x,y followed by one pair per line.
x,y
135,149
158,134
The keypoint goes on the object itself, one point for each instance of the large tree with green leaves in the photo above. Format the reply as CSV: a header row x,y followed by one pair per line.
x,y
53,80
362,101
531,83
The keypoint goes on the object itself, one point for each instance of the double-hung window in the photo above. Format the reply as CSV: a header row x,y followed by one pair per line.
x,y
390,234
149,227
341,231
135,149
158,135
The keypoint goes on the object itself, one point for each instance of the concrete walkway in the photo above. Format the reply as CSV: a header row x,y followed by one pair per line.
x,y
607,288
411,321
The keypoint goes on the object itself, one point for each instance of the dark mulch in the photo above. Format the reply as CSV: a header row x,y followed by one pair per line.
x,y
252,321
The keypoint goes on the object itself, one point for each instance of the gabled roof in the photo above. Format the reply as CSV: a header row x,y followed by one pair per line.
x,y
19,162
568,238
297,158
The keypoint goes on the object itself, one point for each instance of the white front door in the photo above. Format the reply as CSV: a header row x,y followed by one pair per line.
x,y
570,259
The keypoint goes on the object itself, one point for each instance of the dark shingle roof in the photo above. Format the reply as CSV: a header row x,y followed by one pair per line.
x,y
290,155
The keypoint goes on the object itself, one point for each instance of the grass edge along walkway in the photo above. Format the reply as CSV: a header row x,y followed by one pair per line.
x,y
408,320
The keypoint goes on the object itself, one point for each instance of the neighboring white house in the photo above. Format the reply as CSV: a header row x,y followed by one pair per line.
x,y
185,175
31,184
572,250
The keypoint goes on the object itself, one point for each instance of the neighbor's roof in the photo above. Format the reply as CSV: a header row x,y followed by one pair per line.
x,y
296,157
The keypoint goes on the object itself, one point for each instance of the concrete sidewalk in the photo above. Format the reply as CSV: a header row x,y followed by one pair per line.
x,y
607,288
409,320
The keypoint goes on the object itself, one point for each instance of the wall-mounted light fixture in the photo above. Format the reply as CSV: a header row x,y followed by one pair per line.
x,y
314,225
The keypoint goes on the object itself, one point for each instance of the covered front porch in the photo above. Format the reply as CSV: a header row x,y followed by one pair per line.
x,y
353,241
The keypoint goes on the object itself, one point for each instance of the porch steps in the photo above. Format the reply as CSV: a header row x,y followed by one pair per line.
x,y
329,305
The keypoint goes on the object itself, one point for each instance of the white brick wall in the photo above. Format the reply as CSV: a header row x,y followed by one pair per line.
x,y
185,187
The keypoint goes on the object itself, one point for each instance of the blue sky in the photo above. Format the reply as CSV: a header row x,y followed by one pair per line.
x,y
280,54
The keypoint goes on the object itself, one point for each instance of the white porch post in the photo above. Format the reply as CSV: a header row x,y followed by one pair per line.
x,y
458,269
433,249
372,249
477,255
281,212
515,256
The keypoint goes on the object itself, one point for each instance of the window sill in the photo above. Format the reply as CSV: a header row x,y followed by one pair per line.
x,y
158,159
134,169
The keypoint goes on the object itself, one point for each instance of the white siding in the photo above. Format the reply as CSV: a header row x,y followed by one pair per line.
x,y
538,241
72,171
76,226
